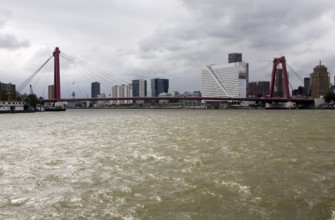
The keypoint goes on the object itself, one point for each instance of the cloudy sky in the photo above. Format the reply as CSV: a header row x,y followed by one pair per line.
x,y
167,38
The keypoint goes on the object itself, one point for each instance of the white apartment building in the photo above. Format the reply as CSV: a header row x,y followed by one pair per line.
x,y
121,91
225,80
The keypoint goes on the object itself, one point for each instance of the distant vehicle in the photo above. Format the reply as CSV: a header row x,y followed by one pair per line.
x,y
58,106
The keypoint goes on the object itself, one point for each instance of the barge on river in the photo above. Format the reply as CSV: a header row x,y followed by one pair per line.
x,y
14,107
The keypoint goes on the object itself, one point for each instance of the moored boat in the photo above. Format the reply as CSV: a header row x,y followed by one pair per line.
x,y
14,107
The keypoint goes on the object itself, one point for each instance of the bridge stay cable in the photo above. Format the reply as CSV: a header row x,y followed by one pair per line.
x,y
28,80
75,78
107,79
96,69
93,73
40,82
298,77
90,73
86,70
50,67
64,81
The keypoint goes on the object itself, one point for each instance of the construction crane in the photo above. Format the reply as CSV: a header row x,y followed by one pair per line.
x,y
31,90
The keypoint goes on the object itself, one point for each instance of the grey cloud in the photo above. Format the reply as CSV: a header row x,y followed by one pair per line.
x,y
10,42
4,16
263,24
146,39
261,28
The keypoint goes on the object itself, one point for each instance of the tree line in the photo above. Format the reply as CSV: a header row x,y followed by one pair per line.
x,y
30,99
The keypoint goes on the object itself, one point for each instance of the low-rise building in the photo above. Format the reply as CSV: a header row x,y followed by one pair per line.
x,y
7,91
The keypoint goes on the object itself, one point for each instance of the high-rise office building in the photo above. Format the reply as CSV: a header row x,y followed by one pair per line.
x,y
234,57
159,86
139,88
226,80
320,81
307,86
95,89
51,92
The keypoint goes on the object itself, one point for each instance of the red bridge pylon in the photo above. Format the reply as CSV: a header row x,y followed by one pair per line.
x,y
56,74
281,61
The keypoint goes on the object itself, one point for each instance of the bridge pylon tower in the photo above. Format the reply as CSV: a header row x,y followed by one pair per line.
x,y
56,74
276,62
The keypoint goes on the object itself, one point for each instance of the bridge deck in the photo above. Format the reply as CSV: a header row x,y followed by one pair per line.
x,y
301,100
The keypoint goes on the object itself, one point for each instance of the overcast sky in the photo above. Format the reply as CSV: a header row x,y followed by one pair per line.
x,y
174,39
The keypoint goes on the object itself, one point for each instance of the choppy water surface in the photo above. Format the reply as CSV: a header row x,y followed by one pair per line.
x,y
168,164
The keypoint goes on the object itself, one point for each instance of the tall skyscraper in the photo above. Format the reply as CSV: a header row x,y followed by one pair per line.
x,y
95,89
139,88
159,86
234,57
307,86
51,92
226,80
320,81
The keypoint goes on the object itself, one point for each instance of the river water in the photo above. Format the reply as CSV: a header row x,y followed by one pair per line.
x,y
168,164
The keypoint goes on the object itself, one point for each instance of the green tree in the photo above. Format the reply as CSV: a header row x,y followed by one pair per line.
x,y
3,95
330,96
18,96
32,100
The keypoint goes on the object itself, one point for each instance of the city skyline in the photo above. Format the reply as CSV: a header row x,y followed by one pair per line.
x,y
174,39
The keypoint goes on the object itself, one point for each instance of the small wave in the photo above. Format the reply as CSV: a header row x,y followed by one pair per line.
x,y
238,188
19,201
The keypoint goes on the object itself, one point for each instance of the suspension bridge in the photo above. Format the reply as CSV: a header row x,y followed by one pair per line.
x,y
75,70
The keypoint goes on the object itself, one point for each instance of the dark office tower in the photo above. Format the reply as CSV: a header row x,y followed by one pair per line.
x,y
279,84
259,89
307,86
95,89
320,81
159,86
139,88
234,57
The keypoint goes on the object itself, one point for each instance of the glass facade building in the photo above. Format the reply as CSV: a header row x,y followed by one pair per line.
x,y
234,57
139,88
95,89
159,86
